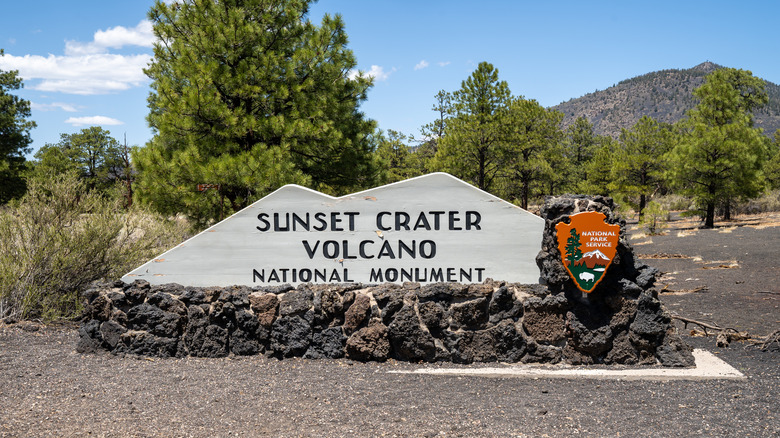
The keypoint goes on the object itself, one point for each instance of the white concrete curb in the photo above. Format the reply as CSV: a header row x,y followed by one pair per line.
x,y
708,367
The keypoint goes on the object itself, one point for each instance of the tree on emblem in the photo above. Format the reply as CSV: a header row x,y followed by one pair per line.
x,y
573,252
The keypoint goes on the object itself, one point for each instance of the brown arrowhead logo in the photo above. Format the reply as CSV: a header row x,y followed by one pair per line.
x,y
587,245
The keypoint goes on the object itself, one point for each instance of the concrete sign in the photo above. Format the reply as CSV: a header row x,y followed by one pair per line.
x,y
429,229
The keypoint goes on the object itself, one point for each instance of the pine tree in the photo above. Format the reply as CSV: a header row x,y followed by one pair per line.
x,y
250,95
720,155
92,152
395,157
639,162
580,143
531,133
472,147
14,136
772,167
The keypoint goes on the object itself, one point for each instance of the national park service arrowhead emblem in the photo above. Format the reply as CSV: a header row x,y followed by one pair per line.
x,y
587,245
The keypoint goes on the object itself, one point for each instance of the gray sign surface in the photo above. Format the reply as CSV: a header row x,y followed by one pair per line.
x,y
429,229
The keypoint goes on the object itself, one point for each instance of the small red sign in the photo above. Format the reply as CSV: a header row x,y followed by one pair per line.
x,y
587,245
204,187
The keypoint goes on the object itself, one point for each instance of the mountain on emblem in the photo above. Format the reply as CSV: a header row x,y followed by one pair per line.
x,y
587,245
593,259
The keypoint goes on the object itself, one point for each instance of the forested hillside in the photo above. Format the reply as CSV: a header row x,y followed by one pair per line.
x,y
663,95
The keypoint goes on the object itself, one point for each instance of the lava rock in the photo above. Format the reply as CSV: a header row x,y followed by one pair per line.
x,y
243,343
147,317
90,337
111,332
408,338
503,305
265,307
327,344
470,314
100,308
146,344
296,302
370,343
357,313
673,352
432,315
390,299
290,336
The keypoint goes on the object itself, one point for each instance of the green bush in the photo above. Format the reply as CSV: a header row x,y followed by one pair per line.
x,y
654,218
60,237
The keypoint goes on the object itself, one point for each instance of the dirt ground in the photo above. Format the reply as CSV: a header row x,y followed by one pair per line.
x,y
728,276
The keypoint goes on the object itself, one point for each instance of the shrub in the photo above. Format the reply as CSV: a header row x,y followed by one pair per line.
x,y
60,237
654,218
673,202
769,201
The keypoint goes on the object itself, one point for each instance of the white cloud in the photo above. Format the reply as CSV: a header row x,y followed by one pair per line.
x,y
87,74
53,106
93,121
113,38
376,72
89,68
421,65
443,63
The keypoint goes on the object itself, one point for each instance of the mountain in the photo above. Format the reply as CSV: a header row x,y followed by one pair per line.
x,y
593,258
664,95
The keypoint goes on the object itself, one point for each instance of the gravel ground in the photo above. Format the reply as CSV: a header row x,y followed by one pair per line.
x,y
47,389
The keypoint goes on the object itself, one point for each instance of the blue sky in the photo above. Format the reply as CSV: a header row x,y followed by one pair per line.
x,y
82,61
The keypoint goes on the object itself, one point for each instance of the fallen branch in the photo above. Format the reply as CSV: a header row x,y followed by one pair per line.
x,y
765,342
727,335
666,290
703,325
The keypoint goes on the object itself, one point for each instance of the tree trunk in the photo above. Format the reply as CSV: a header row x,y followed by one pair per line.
x,y
642,205
727,210
129,193
709,220
525,195
481,175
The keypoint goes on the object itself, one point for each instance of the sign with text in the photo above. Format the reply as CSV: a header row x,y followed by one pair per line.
x,y
434,228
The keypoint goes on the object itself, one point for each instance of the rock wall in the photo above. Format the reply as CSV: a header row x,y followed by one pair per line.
x,y
621,322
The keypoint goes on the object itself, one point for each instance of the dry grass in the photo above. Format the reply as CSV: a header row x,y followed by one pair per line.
x,y
759,221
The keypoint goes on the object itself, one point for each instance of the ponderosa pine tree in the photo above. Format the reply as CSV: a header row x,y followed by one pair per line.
x,y
772,167
432,132
472,147
639,163
720,154
600,167
250,95
394,157
531,133
580,143
14,136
